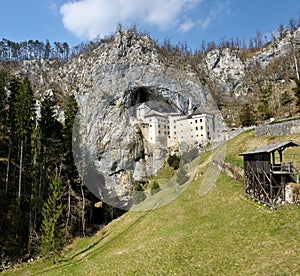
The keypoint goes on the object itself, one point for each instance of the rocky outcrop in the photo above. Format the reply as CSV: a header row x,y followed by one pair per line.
x,y
227,69
109,83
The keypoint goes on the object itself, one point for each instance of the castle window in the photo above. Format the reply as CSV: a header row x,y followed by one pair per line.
x,y
200,120
196,128
201,127
196,121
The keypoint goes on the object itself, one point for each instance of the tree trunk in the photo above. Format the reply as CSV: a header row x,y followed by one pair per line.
x,y
20,171
295,60
68,207
7,169
83,210
296,65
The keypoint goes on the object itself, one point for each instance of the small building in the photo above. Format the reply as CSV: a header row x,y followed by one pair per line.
x,y
266,174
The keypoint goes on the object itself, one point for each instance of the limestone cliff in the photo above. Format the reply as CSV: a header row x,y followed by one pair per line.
x,y
110,81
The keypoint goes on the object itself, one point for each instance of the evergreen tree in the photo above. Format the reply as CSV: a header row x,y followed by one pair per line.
x,y
76,195
155,188
14,87
36,199
52,228
51,140
264,108
246,116
51,129
24,120
138,194
69,164
3,100
174,161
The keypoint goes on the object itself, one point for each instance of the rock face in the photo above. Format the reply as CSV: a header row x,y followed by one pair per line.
x,y
109,84
228,68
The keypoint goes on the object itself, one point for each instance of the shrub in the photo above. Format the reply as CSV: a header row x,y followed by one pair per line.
x,y
155,188
174,161
138,194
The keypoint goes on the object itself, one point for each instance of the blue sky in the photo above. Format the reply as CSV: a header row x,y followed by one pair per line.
x,y
185,21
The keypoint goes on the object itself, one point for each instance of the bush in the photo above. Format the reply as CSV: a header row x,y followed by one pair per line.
x,y
155,188
138,194
174,161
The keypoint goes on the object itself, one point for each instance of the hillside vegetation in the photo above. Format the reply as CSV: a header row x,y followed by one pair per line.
x,y
222,232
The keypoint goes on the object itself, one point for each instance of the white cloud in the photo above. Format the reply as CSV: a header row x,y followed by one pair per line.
x,y
89,18
218,9
186,26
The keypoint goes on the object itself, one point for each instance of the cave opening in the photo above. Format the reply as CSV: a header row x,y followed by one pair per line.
x,y
150,95
142,95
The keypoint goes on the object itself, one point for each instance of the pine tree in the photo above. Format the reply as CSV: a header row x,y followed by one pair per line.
x,y
246,116
52,228
24,120
69,164
155,188
76,193
14,86
3,100
264,108
138,194
51,141
36,199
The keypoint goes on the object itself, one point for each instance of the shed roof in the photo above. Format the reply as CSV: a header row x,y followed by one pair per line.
x,y
270,148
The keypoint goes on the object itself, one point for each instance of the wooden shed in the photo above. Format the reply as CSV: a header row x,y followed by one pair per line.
x,y
266,173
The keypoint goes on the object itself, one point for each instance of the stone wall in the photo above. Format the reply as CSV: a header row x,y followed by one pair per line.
x,y
279,129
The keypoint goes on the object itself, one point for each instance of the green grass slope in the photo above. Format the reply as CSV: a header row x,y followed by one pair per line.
x,y
221,232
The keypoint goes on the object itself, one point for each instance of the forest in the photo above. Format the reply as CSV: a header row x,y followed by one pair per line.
x,y
44,204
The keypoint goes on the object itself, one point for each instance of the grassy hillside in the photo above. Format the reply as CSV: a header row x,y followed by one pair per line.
x,y
219,233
